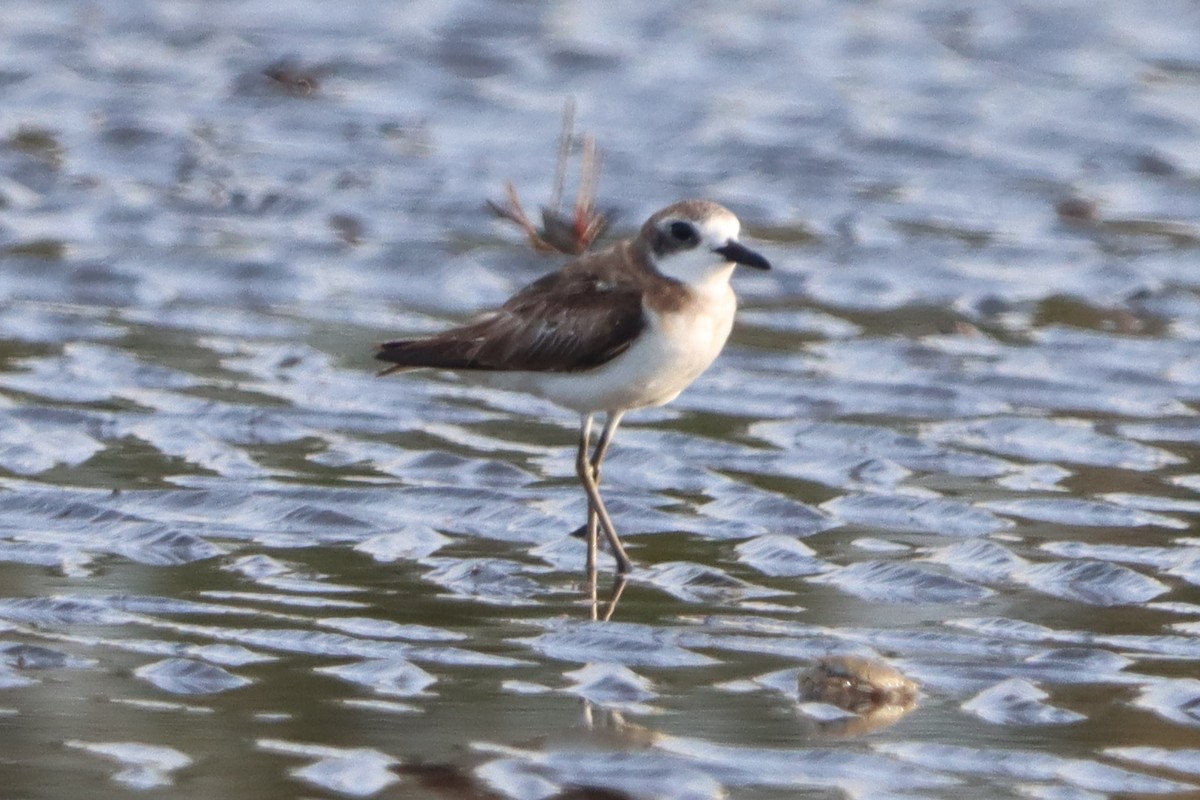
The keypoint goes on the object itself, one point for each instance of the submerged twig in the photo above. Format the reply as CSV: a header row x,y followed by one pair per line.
x,y
564,154
514,212
572,234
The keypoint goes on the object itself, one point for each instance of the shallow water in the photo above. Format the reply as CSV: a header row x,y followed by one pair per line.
x,y
956,428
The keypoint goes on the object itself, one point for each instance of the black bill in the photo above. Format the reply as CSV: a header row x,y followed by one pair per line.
x,y
740,254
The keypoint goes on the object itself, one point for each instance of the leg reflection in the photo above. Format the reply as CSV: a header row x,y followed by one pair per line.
x,y
614,597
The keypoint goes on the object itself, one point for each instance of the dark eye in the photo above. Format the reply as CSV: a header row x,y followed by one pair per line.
x,y
682,232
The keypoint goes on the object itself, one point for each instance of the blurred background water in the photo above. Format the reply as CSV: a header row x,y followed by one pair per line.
x,y
955,428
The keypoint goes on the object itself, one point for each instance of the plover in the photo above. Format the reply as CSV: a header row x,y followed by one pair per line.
x,y
625,328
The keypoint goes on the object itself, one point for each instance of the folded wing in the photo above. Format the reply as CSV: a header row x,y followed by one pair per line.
x,y
565,322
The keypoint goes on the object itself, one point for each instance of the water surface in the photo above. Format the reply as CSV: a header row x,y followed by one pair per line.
x,y
955,429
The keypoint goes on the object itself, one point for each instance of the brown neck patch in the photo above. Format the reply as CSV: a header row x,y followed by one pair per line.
x,y
659,293
666,296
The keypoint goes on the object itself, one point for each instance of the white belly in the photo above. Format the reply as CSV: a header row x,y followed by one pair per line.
x,y
670,353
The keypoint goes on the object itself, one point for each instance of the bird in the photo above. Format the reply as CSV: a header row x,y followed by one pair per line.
x,y
612,331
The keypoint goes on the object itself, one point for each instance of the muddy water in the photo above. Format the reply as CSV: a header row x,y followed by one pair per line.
x,y
955,430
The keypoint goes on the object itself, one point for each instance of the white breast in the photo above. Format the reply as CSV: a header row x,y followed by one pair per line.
x,y
670,353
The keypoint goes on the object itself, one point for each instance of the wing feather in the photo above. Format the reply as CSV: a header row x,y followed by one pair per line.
x,y
568,321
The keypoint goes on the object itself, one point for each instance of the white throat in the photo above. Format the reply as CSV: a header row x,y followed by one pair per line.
x,y
699,268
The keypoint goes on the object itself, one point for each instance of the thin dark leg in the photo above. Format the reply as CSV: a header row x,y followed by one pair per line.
x,y
585,442
583,466
611,422
606,436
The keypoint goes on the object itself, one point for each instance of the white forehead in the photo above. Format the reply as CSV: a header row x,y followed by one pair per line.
x,y
717,228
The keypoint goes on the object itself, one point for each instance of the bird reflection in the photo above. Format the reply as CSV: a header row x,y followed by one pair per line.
x,y
614,596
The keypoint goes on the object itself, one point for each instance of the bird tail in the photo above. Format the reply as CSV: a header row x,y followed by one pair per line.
x,y
437,353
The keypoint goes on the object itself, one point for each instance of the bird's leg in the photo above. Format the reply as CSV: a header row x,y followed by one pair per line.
x,y
582,465
606,437
593,520
586,470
